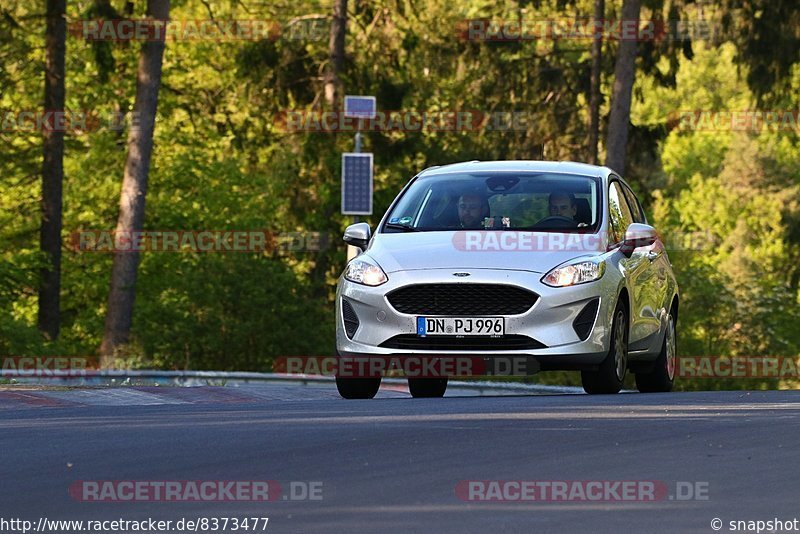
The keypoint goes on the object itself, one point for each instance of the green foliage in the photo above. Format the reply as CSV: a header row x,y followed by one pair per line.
x,y
740,190
222,161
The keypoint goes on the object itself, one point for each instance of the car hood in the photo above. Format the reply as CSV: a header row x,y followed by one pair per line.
x,y
477,249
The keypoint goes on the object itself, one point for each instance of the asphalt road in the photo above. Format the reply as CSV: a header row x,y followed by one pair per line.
x,y
393,464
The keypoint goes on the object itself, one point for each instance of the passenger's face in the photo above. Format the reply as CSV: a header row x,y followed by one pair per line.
x,y
470,211
561,205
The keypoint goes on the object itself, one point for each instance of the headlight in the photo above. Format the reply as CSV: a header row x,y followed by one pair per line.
x,y
365,272
575,273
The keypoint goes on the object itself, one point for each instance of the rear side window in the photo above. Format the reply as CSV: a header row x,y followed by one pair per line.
x,y
619,214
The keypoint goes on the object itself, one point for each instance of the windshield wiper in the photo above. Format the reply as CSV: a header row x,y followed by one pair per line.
x,y
402,226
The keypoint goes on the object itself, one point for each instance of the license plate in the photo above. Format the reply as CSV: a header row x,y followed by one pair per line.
x,y
461,326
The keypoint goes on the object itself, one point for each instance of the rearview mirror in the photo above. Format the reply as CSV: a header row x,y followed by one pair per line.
x,y
357,235
638,235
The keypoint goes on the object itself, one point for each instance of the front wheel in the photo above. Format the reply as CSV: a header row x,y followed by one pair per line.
x,y
358,388
662,377
427,387
611,374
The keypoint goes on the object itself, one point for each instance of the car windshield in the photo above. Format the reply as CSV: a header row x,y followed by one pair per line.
x,y
542,202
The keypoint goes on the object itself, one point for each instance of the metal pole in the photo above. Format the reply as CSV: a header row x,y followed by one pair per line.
x,y
357,150
352,251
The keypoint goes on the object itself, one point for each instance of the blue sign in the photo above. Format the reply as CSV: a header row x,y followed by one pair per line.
x,y
359,107
357,183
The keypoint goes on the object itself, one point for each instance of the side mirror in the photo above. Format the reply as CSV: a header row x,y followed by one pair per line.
x,y
638,235
357,235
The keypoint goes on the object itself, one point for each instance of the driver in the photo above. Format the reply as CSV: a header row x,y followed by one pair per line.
x,y
472,210
563,204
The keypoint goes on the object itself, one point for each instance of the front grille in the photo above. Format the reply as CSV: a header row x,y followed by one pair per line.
x,y
350,319
584,322
414,342
462,299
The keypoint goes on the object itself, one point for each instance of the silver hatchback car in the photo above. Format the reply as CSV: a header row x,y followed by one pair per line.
x,y
549,261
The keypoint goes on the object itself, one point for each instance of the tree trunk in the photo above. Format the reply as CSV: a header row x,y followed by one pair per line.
x,y
336,51
624,75
52,170
333,98
119,316
594,85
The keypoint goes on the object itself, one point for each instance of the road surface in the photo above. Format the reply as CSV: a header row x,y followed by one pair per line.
x,y
393,464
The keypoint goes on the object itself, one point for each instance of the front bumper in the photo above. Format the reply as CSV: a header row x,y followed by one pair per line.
x,y
549,321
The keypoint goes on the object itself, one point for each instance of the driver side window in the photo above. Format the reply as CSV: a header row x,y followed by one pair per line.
x,y
619,215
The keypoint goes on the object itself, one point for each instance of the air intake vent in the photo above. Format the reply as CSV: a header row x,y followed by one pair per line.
x,y
462,299
584,322
350,319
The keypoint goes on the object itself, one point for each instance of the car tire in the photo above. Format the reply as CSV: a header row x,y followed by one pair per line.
x,y
662,377
427,388
358,388
610,375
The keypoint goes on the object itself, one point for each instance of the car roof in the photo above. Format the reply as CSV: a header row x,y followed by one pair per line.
x,y
568,167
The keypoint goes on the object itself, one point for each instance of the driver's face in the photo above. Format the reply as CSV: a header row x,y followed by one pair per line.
x,y
470,211
561,205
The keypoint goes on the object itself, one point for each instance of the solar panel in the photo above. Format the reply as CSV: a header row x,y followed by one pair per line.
x,y
357,183
360,107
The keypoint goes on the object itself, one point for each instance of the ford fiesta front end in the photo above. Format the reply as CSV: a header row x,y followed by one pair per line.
x,y
550,262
